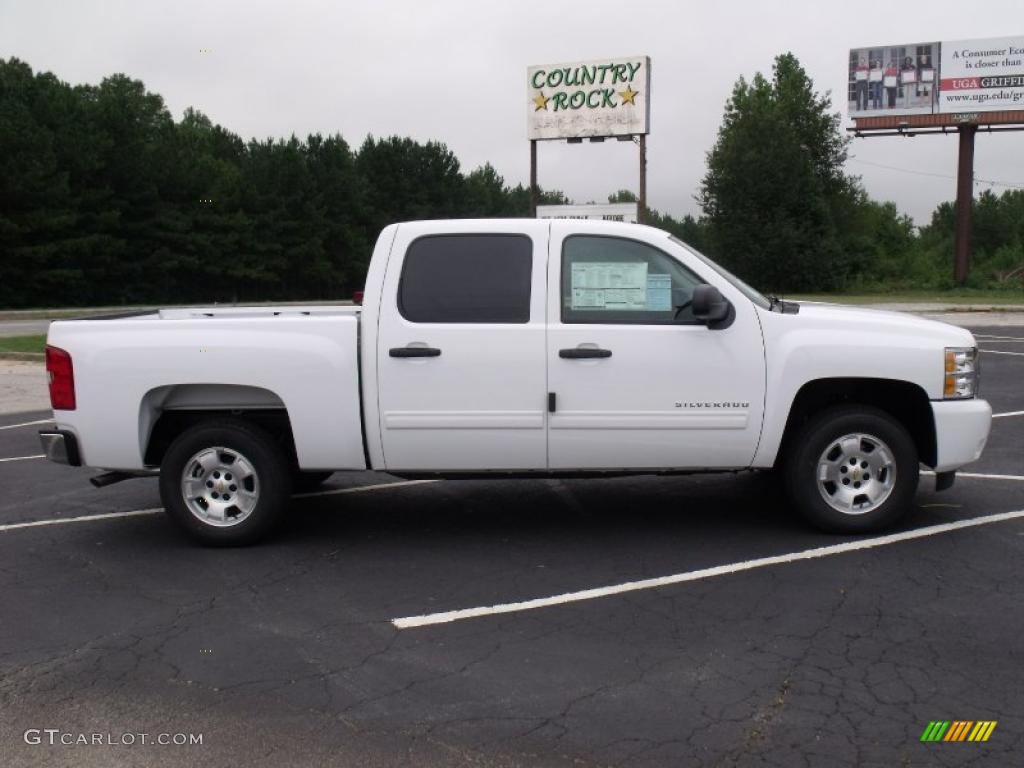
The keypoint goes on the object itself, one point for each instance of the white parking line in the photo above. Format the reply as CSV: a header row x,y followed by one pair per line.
x,y
993,337
154,510
978,475
430,619
1000,352
1008,413
27,424
22,458
82,519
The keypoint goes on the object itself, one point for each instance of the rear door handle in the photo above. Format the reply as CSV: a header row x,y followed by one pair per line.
x,y
414,352
581,353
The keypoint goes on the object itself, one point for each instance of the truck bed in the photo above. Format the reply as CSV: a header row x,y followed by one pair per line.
x,y
130,370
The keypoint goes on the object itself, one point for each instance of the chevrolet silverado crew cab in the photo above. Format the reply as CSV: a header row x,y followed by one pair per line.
x,y
518,348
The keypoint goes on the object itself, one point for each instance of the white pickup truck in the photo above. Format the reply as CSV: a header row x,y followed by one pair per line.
x,y
518,348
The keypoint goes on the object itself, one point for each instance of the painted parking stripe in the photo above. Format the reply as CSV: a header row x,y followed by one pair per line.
x,y
27,424
445,617
1008,413
155,510
997,337
82,519
1000,352
979,475
22,458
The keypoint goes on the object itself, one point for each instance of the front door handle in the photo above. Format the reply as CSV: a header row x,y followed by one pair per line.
x,y
582,353
414,352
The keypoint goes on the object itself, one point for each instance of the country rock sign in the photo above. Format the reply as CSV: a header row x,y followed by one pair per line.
x,y
594,98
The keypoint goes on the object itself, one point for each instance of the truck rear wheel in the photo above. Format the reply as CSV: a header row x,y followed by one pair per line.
x,y
225,482
853,469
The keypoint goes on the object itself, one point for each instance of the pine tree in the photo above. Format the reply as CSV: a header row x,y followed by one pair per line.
x,y
775,187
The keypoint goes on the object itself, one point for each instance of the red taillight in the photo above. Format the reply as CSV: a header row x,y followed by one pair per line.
x,y
62,379
357,297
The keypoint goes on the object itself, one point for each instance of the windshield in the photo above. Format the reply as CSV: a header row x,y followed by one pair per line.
x,y
755,296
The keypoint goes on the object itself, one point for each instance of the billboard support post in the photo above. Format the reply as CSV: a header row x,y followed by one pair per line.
x,y
641,213
534,190
964,202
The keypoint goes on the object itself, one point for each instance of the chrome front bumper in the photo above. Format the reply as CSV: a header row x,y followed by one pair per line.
x,y
60,446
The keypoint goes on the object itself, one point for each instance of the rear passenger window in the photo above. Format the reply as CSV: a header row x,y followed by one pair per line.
x,y
467,279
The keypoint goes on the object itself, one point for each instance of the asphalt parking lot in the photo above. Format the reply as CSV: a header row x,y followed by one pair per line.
x,y
289,653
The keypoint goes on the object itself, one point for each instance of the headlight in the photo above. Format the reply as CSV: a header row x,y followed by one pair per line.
x,y
961,374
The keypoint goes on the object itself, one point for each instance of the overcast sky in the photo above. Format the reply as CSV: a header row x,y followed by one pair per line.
x,y
455,70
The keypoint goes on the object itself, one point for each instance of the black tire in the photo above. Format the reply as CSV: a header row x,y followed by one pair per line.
x,y
810,443
303,482
264,463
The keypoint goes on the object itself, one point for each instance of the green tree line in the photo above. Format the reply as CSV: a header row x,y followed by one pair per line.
x,y
105,199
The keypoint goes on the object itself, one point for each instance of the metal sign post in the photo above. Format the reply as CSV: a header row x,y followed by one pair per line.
x,y
964,203
534,189
642,209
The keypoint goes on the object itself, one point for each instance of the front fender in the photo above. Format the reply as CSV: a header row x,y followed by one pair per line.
x,y
846,344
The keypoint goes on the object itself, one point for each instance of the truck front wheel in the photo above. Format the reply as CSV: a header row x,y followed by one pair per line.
x,y
225,482
852,469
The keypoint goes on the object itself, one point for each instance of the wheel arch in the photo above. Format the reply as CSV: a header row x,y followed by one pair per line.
x,y
165,412
906,402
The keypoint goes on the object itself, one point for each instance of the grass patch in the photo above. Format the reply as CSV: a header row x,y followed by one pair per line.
x,y
39,314
22,344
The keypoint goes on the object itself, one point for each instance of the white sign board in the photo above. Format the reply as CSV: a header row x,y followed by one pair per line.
x,y
950,77
608,212
982,75
604,97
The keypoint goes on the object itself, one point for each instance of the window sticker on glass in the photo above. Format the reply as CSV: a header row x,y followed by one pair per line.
x,y
659,293
609,285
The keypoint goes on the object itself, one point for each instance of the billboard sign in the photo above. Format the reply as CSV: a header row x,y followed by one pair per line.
x,y
982,75
594,212
604,97
937,77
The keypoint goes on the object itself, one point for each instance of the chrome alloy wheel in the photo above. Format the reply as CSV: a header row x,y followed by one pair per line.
x,y
220,486
856,473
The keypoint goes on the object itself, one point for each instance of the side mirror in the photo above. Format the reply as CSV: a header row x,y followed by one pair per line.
x,y
711,307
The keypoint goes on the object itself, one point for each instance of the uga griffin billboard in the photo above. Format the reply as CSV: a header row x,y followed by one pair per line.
x,y
961,76
604,97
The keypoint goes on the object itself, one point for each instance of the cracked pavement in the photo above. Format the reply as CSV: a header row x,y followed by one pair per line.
x,y
284,654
